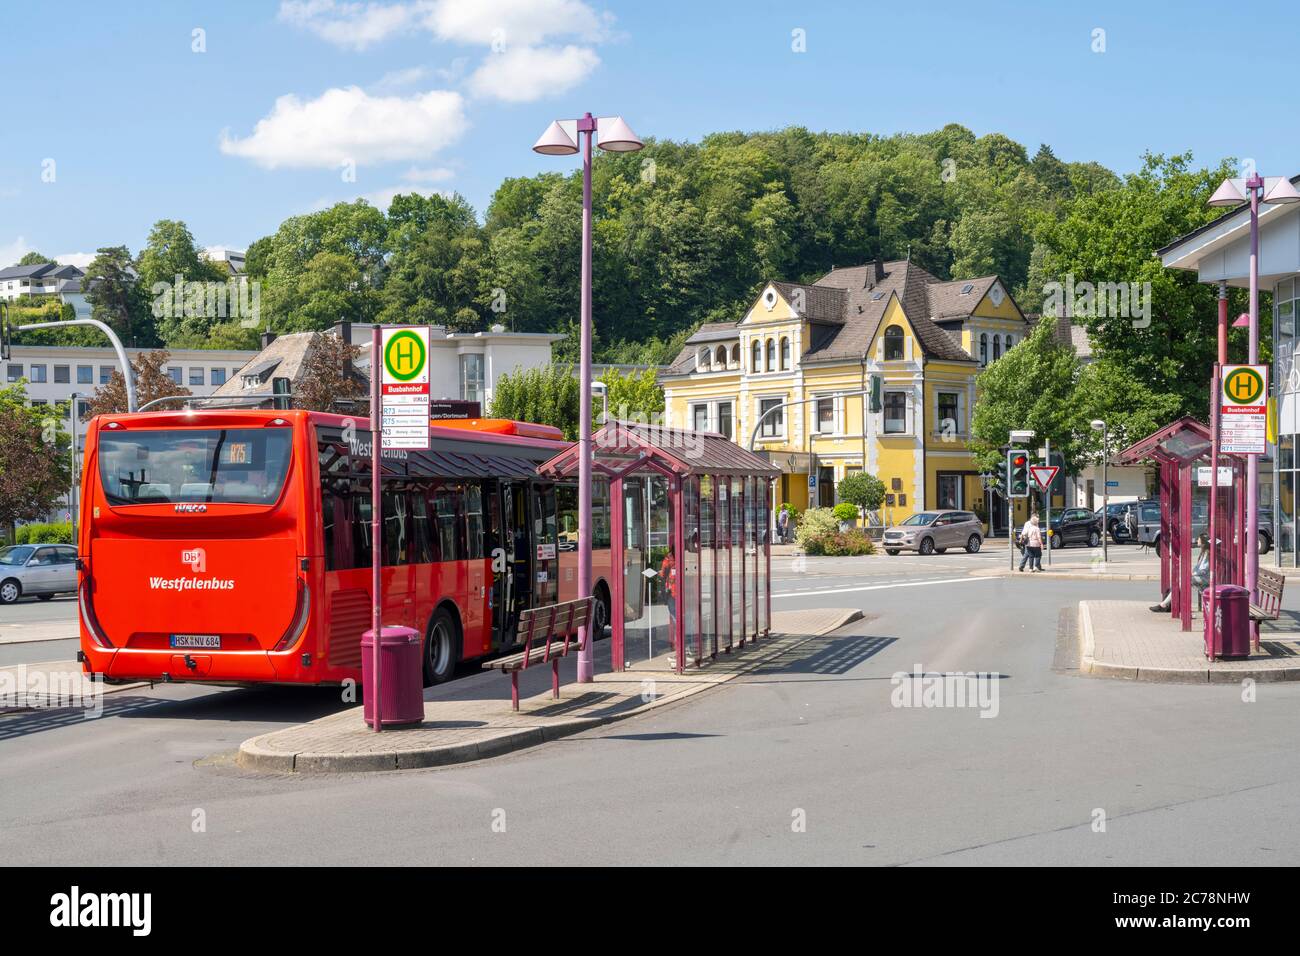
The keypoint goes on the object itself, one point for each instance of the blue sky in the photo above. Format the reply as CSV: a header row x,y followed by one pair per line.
x,y
450,94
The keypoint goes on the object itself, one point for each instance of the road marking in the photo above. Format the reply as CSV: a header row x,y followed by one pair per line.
x,y
878,587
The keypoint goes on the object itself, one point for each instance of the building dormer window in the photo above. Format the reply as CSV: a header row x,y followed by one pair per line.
x,y
771,355
735,355
893,343
702,359
722,356
757,356
785,353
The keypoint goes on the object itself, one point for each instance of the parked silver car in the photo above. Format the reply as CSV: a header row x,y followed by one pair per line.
x,y
41,570
927,532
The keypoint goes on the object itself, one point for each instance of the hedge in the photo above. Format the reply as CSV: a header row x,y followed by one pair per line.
x,y
44,533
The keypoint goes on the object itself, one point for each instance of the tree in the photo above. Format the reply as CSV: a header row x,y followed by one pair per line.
x,y
634,395
548,396
864,491
1032,387
34,471
35,259
323,385
436,272
116,298
169,258
1131,410
151,382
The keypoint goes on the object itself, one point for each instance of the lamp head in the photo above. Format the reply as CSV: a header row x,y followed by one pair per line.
x,y
1098,425
1228,194
555,142
1281,192
615,136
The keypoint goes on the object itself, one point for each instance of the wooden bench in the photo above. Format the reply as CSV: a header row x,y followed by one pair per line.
x,y
541,630
1270,585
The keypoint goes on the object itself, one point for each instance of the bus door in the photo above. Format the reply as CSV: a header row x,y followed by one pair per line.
x,y
519,558
497,543
546,552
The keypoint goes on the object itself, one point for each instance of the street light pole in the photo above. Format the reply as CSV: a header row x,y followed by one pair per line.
x,y
1099,425
127,376
72,487
558,141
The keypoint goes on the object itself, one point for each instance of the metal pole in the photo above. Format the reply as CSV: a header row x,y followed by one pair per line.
x,y
1105,490
72,488
127,374
586,666
1251,544
376,526
1047,496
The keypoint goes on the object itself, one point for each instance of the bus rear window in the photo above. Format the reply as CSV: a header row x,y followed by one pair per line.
x,y
231,465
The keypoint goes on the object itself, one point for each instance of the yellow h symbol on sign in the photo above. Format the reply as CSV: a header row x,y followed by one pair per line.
x,y
405,359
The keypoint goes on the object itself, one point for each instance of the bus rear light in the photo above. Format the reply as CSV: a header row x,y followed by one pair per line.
x,y
299,623
88,616
276,422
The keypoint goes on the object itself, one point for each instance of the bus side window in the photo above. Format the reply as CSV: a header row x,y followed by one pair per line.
x,y
334,518
566,508
599,512
474,520
423,544
394,540
360,523
447,506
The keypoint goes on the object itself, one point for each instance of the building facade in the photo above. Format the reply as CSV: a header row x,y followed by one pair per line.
x,y
777,378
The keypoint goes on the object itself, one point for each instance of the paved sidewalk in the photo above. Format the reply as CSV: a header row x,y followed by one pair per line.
x,y
1126,563
29,632
1126,639
463,723
47,683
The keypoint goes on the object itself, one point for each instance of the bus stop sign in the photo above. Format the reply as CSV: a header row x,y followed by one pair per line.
x,y
404,387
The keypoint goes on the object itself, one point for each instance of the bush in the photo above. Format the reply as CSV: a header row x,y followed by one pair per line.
x,y
845,512
819,534
44,533
865,491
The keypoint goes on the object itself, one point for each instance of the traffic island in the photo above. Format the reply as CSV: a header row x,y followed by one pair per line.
x,y
1127,640
471,719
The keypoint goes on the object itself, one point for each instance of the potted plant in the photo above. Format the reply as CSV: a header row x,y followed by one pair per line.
x,y
846,514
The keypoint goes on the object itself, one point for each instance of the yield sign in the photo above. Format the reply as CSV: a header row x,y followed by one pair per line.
x,y
1044,474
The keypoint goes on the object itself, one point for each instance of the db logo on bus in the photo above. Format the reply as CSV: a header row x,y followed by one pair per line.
x,y
196,558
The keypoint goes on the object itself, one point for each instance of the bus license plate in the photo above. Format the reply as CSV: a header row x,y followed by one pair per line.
x,y
197,640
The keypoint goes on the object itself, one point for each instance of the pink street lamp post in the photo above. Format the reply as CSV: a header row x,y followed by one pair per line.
x,y
560,139
1274,189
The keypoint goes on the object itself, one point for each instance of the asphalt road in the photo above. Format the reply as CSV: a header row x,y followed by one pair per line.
x,y
807,761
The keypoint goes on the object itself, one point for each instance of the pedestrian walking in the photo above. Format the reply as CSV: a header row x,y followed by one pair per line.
x,y
1131,522
1031,539
783,525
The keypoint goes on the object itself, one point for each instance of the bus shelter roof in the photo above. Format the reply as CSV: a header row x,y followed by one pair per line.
x,y
618,445
1183,441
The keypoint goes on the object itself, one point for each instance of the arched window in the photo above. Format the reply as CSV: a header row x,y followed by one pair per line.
x,y
771,355
1010,342
997,347
893,343
984,348
722,356
702,360
735,354
757,359
785,353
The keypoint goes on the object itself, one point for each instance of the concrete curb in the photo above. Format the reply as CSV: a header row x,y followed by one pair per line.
x,y
1065,575
255,755
1088,664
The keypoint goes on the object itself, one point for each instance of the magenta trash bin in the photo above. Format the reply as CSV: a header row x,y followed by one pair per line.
x,y
1228,635
401,673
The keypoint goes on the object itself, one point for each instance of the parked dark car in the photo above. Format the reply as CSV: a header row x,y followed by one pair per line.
x,y
1073,526
1116,525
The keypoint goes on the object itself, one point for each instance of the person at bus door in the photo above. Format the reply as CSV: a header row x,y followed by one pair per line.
x,y
1032,540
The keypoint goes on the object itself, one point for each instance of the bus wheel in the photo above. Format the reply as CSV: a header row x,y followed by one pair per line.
x,y
599,613
440,648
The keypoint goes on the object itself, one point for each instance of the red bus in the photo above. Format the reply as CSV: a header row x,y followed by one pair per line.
x,y
234,546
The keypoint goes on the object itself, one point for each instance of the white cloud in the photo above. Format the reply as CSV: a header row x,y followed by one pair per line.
x,y
79,259
400,79
11,252
524,74
514,22
350,125
353,26
432,175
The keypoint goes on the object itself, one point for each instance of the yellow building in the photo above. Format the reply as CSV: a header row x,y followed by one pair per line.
x,y
802,344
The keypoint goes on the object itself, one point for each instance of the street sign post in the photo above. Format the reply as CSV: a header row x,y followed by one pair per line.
x,y
1243,410
1044,475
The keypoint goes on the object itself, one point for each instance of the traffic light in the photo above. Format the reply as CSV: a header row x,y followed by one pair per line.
x,y
1018,473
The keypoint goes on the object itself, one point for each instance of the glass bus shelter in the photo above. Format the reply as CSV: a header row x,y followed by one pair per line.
x,y
689,529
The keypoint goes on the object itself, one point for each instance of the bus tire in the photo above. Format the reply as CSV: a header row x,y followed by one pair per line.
x,y
600,612
441,647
